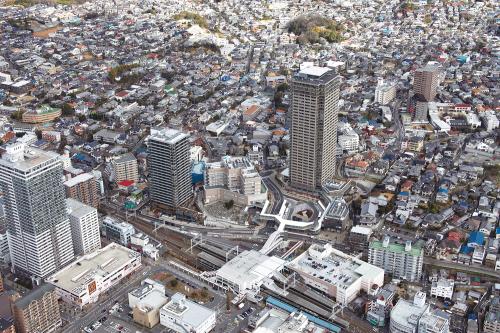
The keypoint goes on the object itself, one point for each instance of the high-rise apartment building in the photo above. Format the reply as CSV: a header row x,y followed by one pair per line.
x,y
125,168
402,261
84,227
314,100
425,82
83,188
169,167
38,227
37,311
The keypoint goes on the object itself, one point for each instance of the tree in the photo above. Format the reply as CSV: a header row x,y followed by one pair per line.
x,y
67,110
38,134
62,145
229,204
81,118
174,283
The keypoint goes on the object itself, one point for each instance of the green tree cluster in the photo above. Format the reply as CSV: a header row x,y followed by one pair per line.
x,y
194,17
119,70
310,28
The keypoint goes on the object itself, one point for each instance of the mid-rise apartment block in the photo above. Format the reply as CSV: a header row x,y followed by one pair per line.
x,y
84,227
117,231
314,115
234,178
125,168
37,311
385,92
443,288
83,188
401,261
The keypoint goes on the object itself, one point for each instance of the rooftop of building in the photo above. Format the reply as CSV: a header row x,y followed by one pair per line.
x,y
333,266
110,221
167,135
153,300
34,295
22,158
414,249
407,313
190,312
78,179
76,277
128,157
232,162
315,75
250,266
78,209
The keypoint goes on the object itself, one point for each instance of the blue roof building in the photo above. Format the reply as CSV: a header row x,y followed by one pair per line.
x,y
476,238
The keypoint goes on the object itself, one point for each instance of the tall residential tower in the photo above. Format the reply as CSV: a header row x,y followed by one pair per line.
x,y
425,82
38,227
315,96
169,164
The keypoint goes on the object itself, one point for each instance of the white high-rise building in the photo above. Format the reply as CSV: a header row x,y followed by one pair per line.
x,y
38,226
84,227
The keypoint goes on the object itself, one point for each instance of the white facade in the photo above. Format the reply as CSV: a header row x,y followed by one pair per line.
x,y
84,280
38,227
405,315
443,288
84,227
118,230
336,273
400,260
140,294
490,121
4,249
349,141
236,175
183,315
385,92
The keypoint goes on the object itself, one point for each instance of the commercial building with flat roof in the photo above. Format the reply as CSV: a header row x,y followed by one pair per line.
x,y
83,281
84,227
314,115
247,271
146,302
335,273
406,314
402,261
183,315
